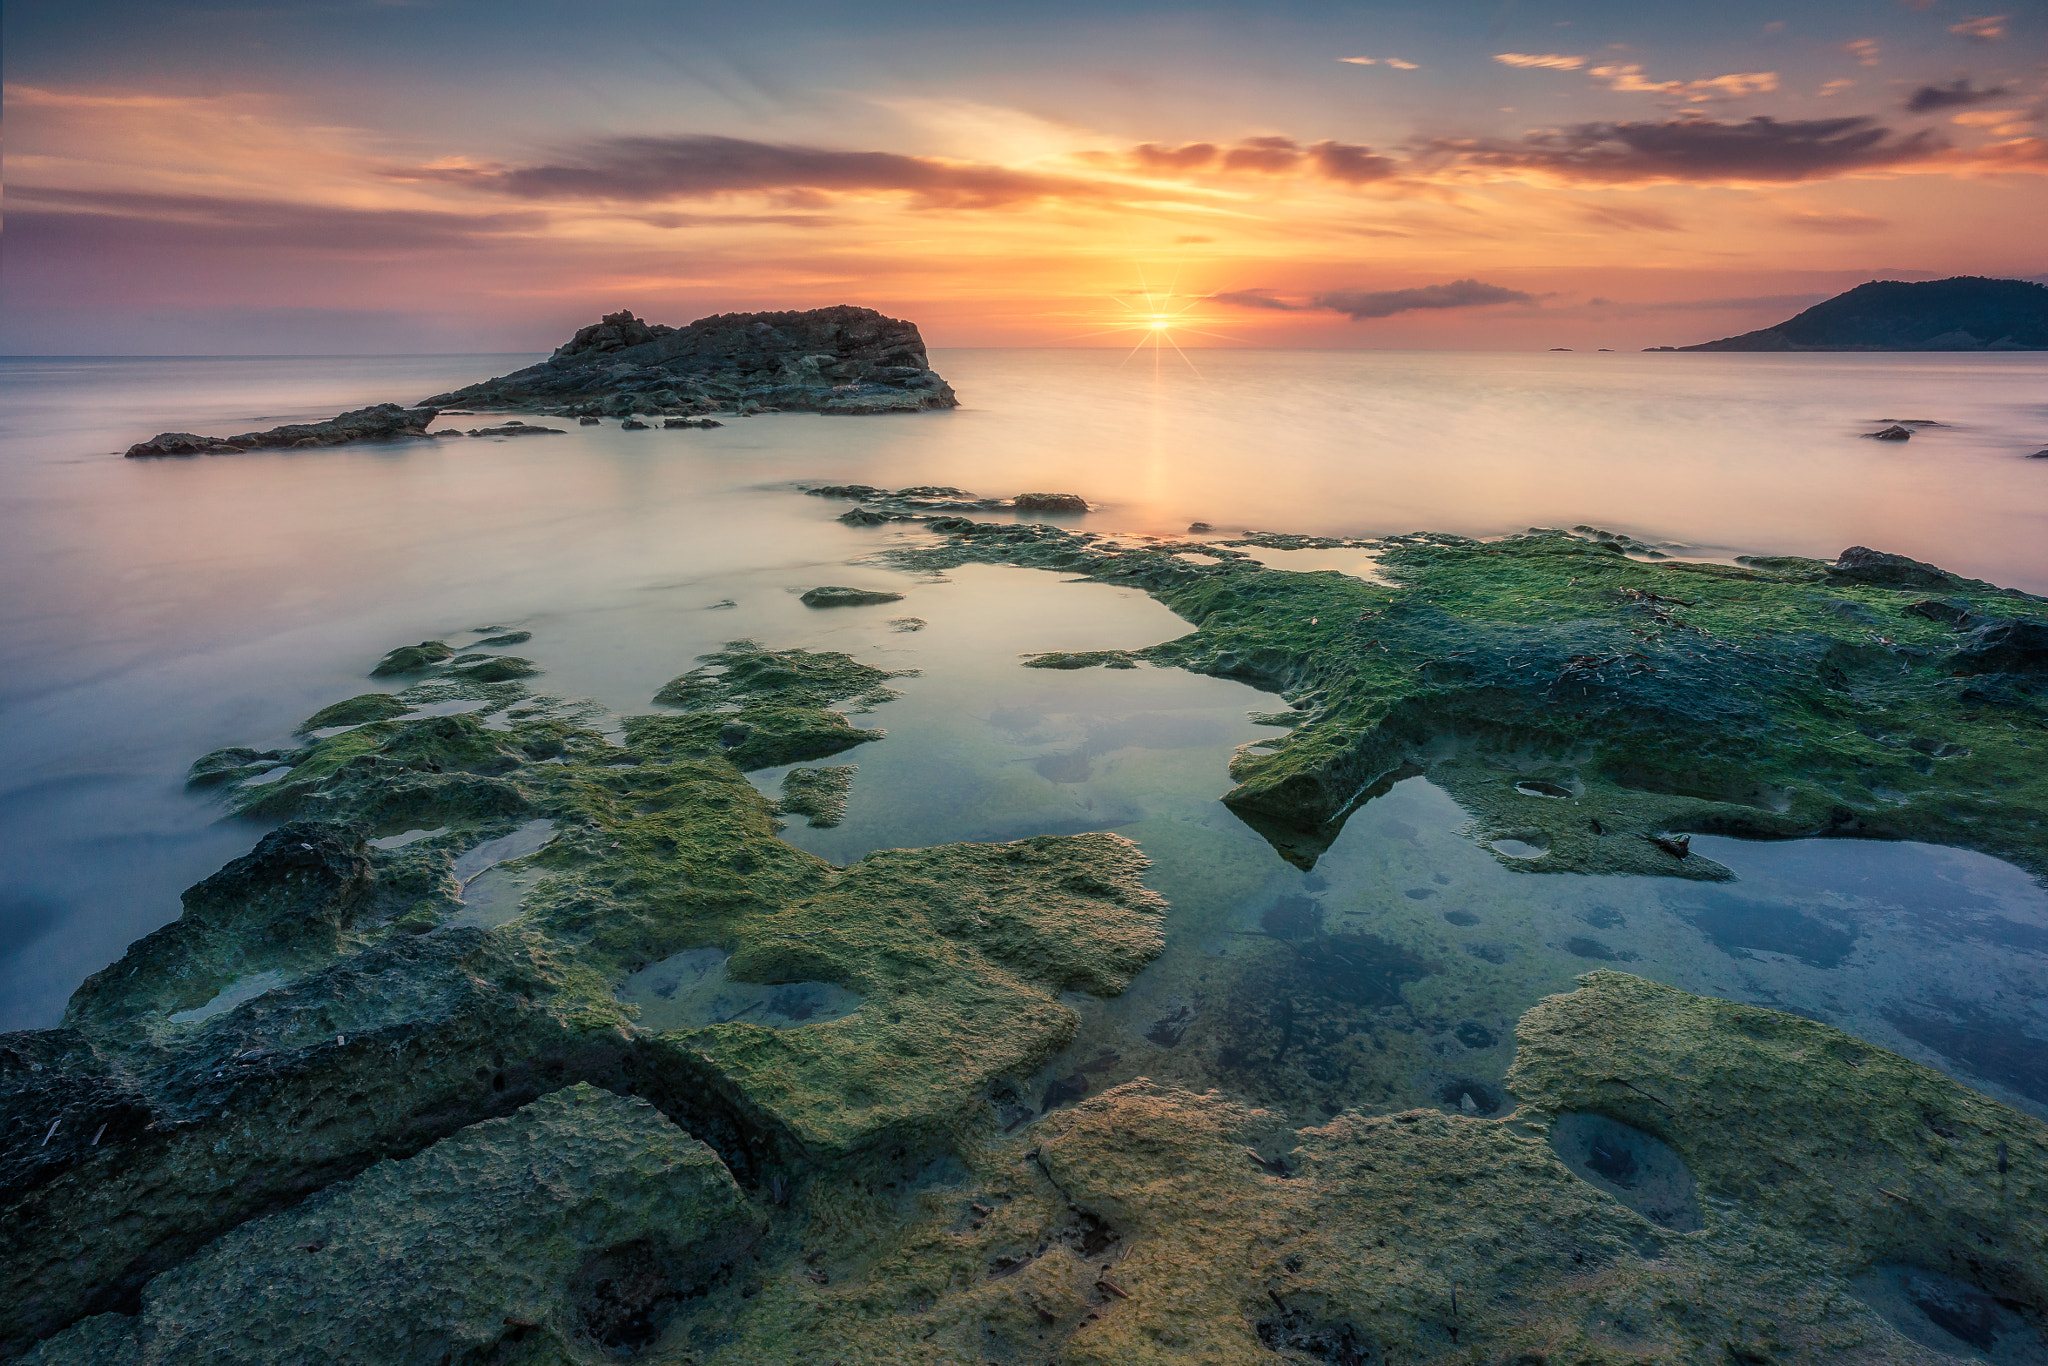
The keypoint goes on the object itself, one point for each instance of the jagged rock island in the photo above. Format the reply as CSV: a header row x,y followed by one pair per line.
x,y
1967,313
826,360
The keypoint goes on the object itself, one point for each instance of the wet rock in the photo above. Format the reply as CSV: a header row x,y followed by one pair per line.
x,y
833,596
499,669
384,422
1666,681
356,711
408,659
633,424
588,421
862,517
817,793
517,428
1860,564
1082,659
840,360
2002,646
746,673
1049,502
507,638
576,1225
1895,432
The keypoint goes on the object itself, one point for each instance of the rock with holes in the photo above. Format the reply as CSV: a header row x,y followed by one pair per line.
x,y
570,1230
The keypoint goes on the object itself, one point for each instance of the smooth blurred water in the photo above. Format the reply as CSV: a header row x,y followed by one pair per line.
x,y
154,610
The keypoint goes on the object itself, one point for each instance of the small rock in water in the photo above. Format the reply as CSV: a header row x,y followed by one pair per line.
x,y
834,596
2041,454
1895,432
588,421
1049,502
1204,526
633,424
907,623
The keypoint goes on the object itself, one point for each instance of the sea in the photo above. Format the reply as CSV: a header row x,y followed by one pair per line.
x,y
154,610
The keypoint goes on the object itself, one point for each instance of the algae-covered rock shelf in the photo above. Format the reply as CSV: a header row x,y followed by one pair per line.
x,y
1590,707
522,1036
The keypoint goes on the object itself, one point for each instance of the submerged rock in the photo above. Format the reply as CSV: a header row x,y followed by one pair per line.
x,y
384,422
356,711
826,360
848,597
1895,432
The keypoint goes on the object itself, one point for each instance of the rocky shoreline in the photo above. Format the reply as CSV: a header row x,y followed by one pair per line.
x,y
523,1038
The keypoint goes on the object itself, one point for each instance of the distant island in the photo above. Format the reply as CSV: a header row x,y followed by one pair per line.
x,y
842,360
825,360
1967,313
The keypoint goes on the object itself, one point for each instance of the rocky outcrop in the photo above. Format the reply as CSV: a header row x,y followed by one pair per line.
x,y
827,360
383,422
1967,313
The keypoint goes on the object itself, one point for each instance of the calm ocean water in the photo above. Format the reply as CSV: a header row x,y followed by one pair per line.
x,y
156,610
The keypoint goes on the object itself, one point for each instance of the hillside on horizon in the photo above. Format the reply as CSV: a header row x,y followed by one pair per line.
x,y
1964,313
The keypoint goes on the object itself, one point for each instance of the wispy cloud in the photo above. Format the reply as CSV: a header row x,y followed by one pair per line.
x,y
1866,51
1691,150
1630,79
1347,163
1361,305
1395,62
654,169
1554,61
1837,222
1630,219
221,222
1985,28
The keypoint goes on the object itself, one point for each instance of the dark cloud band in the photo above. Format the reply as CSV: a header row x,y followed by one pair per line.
x,y
1694,150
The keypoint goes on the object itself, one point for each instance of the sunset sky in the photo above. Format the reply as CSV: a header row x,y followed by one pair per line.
x,y
268,176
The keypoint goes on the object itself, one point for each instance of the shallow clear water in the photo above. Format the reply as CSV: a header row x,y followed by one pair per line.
x,y
156,610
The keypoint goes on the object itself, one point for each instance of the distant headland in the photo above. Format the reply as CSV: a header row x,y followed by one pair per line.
x,y
1966,313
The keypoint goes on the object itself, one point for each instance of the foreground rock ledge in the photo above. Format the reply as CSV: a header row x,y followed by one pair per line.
x,y
383,422
402,1100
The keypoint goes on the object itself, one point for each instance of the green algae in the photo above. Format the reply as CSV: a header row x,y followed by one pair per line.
x,y
817,793
747,673
1148,1223
412,658
356,711
523,1218
1767,702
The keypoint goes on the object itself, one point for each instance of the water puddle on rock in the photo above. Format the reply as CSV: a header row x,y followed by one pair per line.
x,y
495,877
240,990
1358,563
1392,974
400,840
690,989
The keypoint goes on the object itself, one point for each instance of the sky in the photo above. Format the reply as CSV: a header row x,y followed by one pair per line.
x,y
352,176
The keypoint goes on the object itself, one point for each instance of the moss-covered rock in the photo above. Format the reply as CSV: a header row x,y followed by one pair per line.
x,y
569,1230
408,659
1765,700
746,673
817,793
356,711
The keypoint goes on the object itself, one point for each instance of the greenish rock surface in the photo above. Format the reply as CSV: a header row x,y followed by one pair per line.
x,y
747,673
832,595
332,1000
572,1230
1586,706
356,711
412,658
819,794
